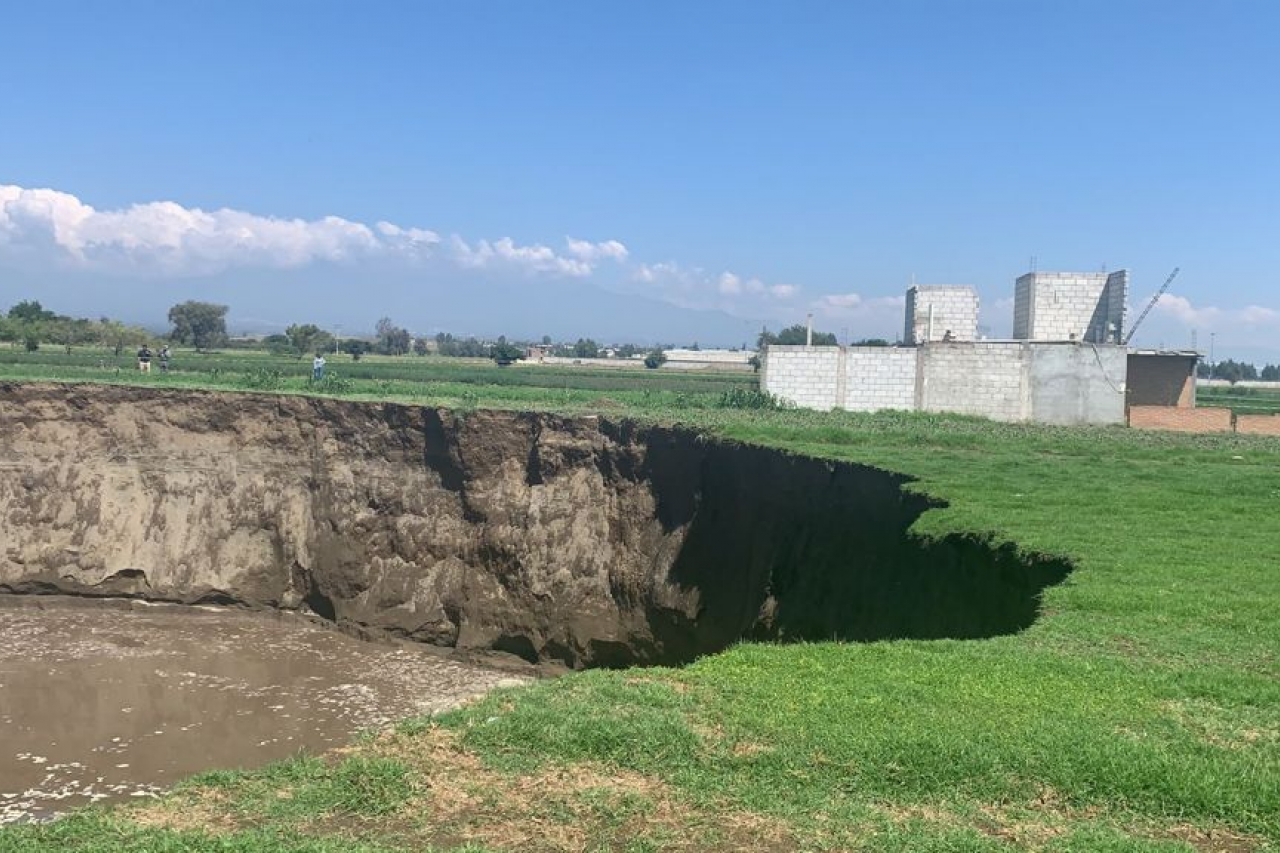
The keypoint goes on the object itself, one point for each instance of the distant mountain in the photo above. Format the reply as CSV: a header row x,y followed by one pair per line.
x,y
264,302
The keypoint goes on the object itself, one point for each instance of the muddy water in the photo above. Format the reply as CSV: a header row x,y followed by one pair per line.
x,y
101,702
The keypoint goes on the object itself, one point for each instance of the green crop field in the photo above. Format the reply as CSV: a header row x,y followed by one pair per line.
x,y
1140,713
443,381
1243,401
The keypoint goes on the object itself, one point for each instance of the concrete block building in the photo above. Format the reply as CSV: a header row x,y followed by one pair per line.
x,y
1070,306
937,312
1066,366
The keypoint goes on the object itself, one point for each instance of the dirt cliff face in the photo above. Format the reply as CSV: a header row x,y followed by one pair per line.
x,y
583,541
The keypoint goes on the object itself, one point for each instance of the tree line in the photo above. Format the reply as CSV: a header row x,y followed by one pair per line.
x,y
1238,371
29,324
203,325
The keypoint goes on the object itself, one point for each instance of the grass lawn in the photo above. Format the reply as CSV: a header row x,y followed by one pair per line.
x,y
1140,713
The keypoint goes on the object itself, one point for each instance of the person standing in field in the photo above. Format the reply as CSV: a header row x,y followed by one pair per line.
x,y
164,359
144,359
317,367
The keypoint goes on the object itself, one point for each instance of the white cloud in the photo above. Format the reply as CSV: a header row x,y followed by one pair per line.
x,y
1180,308
591,252
167,238
536,258
45,228
842,300
1256,315
171,238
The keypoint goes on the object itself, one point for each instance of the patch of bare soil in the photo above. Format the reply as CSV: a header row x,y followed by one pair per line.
x,y
458,800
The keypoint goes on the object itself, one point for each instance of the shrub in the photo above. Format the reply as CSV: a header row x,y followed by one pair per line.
x,y
750,398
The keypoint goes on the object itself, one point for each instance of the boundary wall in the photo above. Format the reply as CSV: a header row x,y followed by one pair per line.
x,y
1258,424
1176,419
1060,383
858,379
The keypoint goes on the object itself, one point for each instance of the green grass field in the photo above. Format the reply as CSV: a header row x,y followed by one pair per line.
x,y
1140,713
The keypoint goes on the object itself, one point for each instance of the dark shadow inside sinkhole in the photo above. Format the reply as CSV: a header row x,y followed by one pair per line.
x,y
790,548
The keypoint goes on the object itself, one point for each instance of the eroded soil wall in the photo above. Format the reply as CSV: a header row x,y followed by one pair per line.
x,y
585,541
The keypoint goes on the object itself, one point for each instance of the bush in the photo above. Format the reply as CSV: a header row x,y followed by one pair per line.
x,y
332,383
750,398
262,379
655,359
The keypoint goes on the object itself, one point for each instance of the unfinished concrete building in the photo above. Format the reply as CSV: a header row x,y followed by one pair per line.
x,y
1065,365
938,312
1070,306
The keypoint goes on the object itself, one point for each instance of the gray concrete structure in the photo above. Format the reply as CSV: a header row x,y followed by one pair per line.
x,y
1048,382
1065,366
936,312
1070,306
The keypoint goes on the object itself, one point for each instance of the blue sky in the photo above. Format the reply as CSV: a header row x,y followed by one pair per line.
x,y
657,170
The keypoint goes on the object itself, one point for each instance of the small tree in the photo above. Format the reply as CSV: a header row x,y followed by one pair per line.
x,y
421,346
795,335
30,311
392,340
354,347
303,338
504,353
655,359
1270,373
201,324
586,348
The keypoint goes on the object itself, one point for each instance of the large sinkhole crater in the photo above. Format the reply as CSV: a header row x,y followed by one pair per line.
x,y
583,541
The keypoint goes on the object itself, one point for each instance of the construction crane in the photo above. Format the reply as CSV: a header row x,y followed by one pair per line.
x,y
1152,304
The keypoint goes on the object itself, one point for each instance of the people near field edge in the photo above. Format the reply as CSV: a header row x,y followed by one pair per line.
x,y
317,367
144,359
164,358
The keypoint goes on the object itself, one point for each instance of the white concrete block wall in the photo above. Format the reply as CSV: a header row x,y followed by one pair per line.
x,y
807,377
1002,380
984,378
955,309
880,378
1061,306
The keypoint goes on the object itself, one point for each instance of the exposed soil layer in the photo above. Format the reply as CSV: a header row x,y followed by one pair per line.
x,y
584,541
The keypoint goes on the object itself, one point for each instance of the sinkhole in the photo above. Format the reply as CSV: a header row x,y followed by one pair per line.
x,y
582,541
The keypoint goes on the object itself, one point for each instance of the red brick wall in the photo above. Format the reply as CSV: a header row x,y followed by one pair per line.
x,y
1258,424
1180,420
